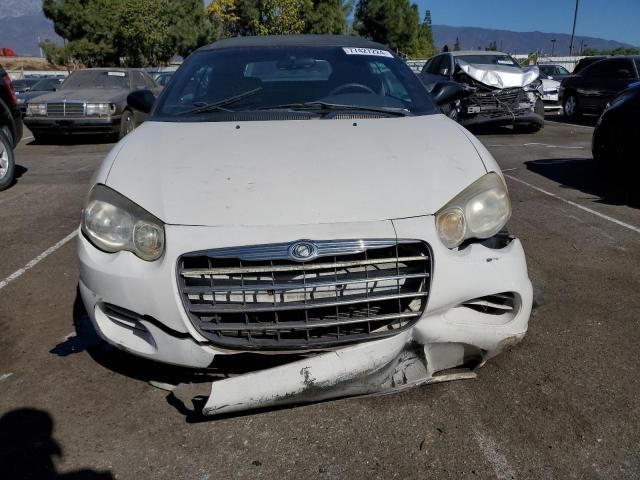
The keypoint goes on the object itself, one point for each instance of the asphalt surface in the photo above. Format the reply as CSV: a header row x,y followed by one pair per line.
x,y
564,403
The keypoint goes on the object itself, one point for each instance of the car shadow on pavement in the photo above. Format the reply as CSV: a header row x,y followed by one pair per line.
x,y
28,449
583,174
73,140
584,120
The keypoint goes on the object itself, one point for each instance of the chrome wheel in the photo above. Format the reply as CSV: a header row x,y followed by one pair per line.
x,y
4,160
570,106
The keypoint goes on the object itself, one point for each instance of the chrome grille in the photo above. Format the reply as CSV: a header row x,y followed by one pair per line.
x,y
260,298
65,109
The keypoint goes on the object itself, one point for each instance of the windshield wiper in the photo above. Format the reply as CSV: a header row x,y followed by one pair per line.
x,y
324,106
222,103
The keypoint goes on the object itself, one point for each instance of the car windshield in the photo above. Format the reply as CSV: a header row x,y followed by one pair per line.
x,y
505,60
47,84
25,83
163,79
298,77
553,70
96,79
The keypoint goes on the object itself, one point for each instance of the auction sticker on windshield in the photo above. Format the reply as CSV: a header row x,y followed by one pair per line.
x,y
367,51
116,74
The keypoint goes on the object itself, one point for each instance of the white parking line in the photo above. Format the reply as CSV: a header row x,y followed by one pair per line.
x,y
32,263
550,146
633,228
26,139
490,450
4,376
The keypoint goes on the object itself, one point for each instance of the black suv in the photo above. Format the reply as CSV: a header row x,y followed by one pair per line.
x,y
597,84
10,129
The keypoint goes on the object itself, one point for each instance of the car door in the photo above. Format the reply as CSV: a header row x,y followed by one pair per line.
x,y
430,74
604,80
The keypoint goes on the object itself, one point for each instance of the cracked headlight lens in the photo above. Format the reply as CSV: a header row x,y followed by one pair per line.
x,y
479,211
113,223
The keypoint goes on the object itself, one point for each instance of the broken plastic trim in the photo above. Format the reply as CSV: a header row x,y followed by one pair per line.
x,y
379,367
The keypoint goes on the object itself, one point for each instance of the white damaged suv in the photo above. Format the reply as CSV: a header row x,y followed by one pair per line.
x,y
302,195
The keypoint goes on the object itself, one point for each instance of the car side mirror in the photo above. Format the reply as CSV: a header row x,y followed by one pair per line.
x,y
141,100
444,93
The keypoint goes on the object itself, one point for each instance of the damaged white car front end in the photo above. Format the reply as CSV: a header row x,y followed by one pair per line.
x,y
372,255
503,92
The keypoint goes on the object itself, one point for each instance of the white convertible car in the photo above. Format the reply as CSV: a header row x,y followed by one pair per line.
x,y
300,198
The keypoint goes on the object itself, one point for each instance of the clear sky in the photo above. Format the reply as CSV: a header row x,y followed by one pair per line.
x,y
609,19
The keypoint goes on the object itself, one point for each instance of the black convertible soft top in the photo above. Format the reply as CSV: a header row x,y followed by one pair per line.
x,y
296,40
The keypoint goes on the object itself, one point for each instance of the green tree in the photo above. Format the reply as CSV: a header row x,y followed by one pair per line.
x,y
328,16
425,44
54,53
129,32
616,51
493,47
143,35
189,26
456,46
259,17
395,23
282,17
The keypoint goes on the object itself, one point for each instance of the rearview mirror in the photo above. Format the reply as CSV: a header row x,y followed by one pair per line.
x,y
141,100
444,93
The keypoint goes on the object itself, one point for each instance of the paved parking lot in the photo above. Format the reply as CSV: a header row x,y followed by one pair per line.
x,y
563,404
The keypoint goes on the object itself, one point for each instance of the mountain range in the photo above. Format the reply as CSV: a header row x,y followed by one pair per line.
x,y
472,38
23,26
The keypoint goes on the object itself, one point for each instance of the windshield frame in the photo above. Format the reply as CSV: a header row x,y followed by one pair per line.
x,y
416,93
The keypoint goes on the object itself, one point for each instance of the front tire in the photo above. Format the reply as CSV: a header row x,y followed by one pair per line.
x,y
570,107
7,163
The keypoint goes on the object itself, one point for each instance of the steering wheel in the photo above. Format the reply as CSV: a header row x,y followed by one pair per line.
x,y
349,86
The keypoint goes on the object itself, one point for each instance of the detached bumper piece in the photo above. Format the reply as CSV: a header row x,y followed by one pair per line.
x,y
380,367
258,298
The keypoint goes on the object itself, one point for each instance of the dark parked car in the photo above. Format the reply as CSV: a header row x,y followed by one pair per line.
x,y
45,85
10,129
616,139
92,101
585,62
553,71
596,85
24,84
501,91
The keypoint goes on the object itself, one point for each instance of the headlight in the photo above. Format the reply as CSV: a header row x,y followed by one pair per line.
x,y
100,109
19,100
113,223
479,211
37,109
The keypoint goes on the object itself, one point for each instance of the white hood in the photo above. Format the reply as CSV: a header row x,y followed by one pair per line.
x,y
500,76
295,172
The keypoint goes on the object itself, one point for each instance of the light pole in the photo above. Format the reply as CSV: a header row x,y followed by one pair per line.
x,y
573,32
553,46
